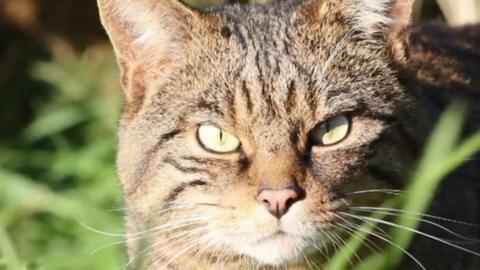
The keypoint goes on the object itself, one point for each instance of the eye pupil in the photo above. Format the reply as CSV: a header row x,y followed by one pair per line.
x,y
215,139
332,131
222,139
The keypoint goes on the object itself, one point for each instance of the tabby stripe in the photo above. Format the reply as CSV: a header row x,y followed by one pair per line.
x,y
232,108
182,168
213,107
292,97
252,40
144,164
286,44
241,37
312,102
182,187
214,161
294,135
163,139
259,67
248,98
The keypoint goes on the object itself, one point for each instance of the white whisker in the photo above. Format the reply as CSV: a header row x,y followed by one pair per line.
x,y
414,231
358,227
417,214
419,217
387,191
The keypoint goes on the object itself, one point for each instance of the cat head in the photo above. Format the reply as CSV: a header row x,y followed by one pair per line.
x,y
247,130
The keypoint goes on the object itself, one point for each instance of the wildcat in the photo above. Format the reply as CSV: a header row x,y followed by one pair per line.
x,y
249,129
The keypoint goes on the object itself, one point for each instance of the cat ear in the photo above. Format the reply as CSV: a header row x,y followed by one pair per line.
x,y
371,19
148,37
385,18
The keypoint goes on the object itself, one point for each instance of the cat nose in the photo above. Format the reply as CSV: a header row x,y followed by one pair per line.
x,y
279,201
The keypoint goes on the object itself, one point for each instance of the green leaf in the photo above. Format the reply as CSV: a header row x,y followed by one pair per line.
x,y
54,122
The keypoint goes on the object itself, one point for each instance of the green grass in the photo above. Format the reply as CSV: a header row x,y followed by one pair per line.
x,y
59,172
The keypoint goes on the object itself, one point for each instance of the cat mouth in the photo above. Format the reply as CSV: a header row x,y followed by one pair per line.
x,y
275,249
275,236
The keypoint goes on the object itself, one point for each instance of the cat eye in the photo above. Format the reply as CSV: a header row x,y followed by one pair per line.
x,y
217,140
331,132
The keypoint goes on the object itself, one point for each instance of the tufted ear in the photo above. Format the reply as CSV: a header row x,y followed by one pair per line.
x,y
148,37
372,19
385,18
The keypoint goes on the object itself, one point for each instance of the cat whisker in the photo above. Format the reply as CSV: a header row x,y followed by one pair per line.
x,y
423,220
93,252
307,261
187,248
142,206
202,250
89,228
324,246
142,234
386,191
169,226
171,242
363,218
336,245
211,204
369,232
344,244
414,213
222,255
327,245
171,245
352,233
156,229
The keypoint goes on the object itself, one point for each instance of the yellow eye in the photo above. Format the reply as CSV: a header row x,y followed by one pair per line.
x,y
216,139
331,132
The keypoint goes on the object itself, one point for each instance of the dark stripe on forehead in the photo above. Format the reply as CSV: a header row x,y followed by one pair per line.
x,y
265,81
292,97
241,38
259,67
250,38
232,108
248,98
311,98
286,41
210,106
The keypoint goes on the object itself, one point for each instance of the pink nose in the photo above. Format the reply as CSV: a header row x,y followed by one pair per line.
x,y
279,201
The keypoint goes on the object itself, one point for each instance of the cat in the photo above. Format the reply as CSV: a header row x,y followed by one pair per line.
x,y
248,129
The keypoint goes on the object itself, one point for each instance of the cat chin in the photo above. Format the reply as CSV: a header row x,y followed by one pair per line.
x,y
276,250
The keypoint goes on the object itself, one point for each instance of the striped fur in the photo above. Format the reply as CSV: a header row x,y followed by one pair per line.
x,y
268,74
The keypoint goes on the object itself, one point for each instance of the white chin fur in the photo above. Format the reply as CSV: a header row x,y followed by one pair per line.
x,y
278,250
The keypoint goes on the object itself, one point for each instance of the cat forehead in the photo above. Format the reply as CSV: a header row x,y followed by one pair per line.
x,y
278,67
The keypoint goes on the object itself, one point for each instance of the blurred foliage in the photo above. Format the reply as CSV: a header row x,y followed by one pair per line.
x,y
59,103
58,173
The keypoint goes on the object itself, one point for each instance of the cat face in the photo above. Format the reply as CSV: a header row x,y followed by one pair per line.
x,y
249,129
